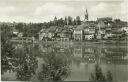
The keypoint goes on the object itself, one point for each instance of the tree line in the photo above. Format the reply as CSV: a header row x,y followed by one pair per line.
x,y
66,21
32,29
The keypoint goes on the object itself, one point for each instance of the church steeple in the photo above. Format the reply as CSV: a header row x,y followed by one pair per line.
x,y
86,15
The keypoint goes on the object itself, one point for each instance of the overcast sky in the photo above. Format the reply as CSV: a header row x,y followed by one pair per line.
x,y
45,10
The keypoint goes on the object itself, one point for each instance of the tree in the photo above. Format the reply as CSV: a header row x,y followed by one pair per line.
x,y
65,21
7,49
78,21
60,22
74,22
117,20
19,27
70,20
109,76
118,23
105,19
16,61
55,21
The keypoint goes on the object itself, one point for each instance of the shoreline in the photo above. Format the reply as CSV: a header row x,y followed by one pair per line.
x,y
75,42
86,42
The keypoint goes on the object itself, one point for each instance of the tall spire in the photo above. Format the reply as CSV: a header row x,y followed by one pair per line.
x,y
86,15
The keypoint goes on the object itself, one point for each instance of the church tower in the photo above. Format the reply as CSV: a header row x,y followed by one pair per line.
x,y
86,15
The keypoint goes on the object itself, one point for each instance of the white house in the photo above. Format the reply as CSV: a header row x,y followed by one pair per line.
x,y
15,32
89,36
78,33
20,34
42,34
125,29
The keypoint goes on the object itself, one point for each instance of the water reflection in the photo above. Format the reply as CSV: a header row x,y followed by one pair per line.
x,y
111,57
56,66
101,54
70,62
98,75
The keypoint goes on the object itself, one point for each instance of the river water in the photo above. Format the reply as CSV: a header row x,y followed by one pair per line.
x,y
67,61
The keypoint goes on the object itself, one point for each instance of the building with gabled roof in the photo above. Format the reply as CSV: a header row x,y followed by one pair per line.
x,y
85,31
78,33
47,33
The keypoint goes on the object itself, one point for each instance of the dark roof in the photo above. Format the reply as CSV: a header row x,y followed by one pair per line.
x,y
52,29
85,25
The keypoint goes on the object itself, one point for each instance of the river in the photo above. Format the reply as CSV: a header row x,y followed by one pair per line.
x,y
67,61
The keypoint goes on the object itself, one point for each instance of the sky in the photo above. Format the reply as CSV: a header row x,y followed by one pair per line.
x,y
45,10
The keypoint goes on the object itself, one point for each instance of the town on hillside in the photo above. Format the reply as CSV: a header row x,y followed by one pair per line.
x,y
102,29
70,29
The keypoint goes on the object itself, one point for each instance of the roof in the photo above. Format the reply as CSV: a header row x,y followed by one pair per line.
x,y
42,30
85,25
101,24
79,27
59,29
52,29
15,30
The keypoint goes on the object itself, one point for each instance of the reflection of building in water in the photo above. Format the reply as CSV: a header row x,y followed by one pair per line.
x,y
88,55
85,54
78,51
55,47
101,55
45,48
115,55
119,72
89,50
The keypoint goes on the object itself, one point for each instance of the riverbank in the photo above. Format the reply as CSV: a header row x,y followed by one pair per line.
x,y
74,42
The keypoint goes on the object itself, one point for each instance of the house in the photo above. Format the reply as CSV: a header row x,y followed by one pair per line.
x,y
101,24
101,28
61,33
86,31
89,37
20,34
51,31
125,29
47,34
66,35
42,34
108,29
78,33
89,30
108,33
89,34
118,33
15,33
